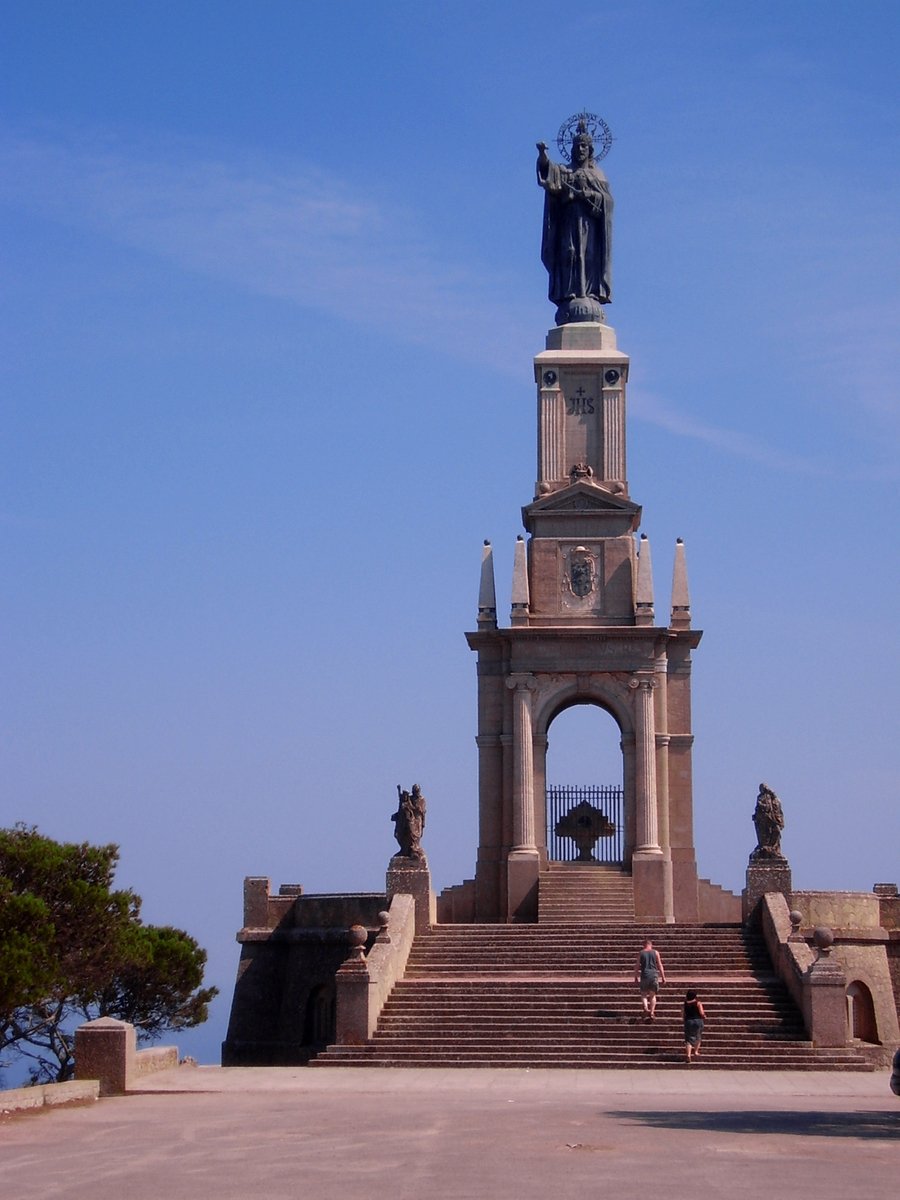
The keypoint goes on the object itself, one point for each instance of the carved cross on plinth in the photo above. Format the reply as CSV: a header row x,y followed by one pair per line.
x,y
585,825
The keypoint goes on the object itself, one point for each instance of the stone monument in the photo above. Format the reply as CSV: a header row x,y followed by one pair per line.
x,y
409,822
768,870
408,872
582,625
583,629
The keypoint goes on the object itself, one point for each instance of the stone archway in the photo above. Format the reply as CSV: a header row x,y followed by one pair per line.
x,y
319,1017
861,1013
610,695
584,773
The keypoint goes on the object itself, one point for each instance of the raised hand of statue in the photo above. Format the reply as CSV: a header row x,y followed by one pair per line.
x,y
543,163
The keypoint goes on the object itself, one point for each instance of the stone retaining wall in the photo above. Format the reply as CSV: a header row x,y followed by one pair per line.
x,y
49,1095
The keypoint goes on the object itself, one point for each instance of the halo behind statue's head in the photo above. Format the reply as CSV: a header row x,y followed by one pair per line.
x,y
585,123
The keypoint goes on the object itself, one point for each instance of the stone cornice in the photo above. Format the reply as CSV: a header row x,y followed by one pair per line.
x,y
640,634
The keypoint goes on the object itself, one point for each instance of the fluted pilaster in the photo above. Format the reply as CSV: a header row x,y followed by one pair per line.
x,y
551,467
614,434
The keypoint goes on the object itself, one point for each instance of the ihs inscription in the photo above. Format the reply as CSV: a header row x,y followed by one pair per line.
x,y
580,404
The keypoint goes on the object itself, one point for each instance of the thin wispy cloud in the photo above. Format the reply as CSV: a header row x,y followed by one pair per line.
x,y
645,406
295,233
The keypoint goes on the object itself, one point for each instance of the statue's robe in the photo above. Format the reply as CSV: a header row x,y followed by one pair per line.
x,y
576,247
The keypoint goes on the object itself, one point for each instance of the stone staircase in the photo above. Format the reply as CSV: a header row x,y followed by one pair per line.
x,y
585,892
562,995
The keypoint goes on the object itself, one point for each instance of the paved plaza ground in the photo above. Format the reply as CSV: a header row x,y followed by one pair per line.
x,y
363,1134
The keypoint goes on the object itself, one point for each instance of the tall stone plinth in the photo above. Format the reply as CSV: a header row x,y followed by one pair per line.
x,y
411,877
583,630
651,875
522,875
581,377
764,875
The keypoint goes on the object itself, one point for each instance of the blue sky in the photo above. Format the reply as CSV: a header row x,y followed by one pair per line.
x,y
271,290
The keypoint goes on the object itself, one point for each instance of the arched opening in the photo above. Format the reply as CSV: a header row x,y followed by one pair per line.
x,y
319,1018
584,786
861,1013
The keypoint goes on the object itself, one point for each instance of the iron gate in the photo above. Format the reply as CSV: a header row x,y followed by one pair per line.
x,y
607,798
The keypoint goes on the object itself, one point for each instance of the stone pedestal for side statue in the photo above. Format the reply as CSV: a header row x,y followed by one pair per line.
x,y
769,874
408,876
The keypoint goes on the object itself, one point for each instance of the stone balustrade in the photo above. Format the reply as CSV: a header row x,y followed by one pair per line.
x,y
364,981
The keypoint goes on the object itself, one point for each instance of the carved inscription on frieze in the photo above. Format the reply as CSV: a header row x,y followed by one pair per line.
x,y
579,404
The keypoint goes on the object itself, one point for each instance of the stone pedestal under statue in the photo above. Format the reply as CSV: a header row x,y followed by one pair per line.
x,y
764,875
583,631
411,877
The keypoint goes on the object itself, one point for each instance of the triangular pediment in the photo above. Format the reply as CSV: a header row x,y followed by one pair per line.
x,y
581,509
581,497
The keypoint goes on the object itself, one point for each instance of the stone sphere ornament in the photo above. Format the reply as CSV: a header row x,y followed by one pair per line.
x,y
823,937
357,936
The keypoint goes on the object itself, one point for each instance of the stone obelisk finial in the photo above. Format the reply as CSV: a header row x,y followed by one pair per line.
x,y
643,597
487,596
520,598
681,597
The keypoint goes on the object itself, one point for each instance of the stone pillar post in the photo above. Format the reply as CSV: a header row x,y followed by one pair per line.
x,y
825,995
105,1050
523,862
352,984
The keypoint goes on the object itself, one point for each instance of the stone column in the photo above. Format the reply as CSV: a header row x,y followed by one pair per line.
x,y
539,792
662,788
645,763
651,869
523,861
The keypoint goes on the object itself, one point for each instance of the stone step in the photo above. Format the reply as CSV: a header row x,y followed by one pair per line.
x,y
498,964
773,1017
563,995
588,893
804,1061
541,1047
620,1033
